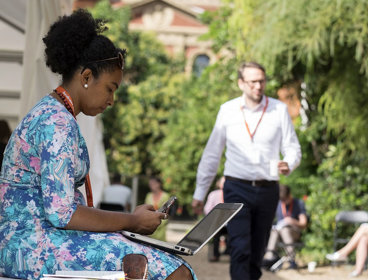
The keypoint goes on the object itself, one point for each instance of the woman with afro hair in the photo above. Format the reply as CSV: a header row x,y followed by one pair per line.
x,y
45,224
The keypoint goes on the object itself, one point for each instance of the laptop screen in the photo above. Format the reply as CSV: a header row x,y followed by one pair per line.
x,y
210,225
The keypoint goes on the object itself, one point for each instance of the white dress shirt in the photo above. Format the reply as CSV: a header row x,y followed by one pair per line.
x,y
247,159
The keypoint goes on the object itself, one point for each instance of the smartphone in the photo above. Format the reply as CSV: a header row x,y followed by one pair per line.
x,y
165,208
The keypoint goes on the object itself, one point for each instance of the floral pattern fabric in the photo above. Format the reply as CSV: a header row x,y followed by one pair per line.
x,y
45,162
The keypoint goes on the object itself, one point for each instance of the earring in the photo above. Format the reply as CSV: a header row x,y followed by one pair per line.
x,y
85,85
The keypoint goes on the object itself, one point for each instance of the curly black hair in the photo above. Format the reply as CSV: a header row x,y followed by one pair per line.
x,y
74,41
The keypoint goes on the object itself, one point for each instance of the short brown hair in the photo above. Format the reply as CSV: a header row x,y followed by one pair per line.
x,y
284,192
250,64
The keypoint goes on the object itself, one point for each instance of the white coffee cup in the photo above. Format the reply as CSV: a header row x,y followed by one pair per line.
x,y
274,169
312,266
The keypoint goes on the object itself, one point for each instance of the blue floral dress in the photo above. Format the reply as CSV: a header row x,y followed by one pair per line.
x,y
45,162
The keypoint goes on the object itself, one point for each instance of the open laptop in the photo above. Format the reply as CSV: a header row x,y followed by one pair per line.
x,y
198,236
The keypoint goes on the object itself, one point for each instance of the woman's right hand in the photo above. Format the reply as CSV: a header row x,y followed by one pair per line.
x,y
146,219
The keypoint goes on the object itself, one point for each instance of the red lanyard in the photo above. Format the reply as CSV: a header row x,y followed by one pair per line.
x,y
283,209
68,102
246,124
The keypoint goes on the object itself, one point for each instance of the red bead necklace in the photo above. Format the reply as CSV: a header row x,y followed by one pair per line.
x,y
66,98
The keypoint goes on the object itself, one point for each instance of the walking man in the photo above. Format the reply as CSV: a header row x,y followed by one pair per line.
x,y
255,129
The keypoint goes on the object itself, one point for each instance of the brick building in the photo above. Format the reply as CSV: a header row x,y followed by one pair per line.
x,y
176,24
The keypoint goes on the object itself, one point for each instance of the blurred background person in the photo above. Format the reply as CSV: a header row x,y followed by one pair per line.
x,y
215,197
291,219
358,242
157,197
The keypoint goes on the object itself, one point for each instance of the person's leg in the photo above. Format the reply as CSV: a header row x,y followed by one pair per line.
x,y
216,246
223,240
182,273
215,253
271,246
289,235
239,229
354,241
266,202
361,254
227,249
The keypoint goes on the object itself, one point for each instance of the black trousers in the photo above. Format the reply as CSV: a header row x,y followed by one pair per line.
x,y
249,230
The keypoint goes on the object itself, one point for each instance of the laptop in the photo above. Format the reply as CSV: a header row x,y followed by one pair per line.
x,y
198,236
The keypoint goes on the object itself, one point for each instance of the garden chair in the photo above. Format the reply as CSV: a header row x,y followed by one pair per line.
x,y
286,256
112,199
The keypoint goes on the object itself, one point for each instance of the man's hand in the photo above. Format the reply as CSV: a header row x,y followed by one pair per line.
x,y
197,206
283,167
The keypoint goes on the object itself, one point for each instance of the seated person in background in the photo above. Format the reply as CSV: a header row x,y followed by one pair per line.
x,y
291,220
157,197
359,241
215,197
116,197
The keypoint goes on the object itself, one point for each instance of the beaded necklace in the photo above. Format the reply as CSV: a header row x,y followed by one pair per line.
x,y
68,103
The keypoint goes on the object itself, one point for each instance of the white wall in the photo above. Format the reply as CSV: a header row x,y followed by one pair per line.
x,y
11,54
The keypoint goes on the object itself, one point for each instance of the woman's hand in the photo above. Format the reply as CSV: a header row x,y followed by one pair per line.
x,y
146,219
143,220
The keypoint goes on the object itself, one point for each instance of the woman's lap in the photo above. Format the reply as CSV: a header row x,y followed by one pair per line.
x,y
79,250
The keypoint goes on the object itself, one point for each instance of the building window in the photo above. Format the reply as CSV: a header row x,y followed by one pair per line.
x,y
200,62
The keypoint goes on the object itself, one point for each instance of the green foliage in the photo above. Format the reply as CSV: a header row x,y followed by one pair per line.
x,y
320,43
218,28
140,124
189,127
161,119
146,56
136,122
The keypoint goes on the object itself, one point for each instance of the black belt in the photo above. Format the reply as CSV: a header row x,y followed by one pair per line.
x,y
254,183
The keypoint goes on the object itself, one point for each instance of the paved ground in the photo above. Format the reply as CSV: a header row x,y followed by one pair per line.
x,y
220,270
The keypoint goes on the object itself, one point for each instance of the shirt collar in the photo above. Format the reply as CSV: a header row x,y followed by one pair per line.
x,y
258,107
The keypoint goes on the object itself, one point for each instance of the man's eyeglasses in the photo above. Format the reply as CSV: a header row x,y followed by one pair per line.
x,y
253,83
120,60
